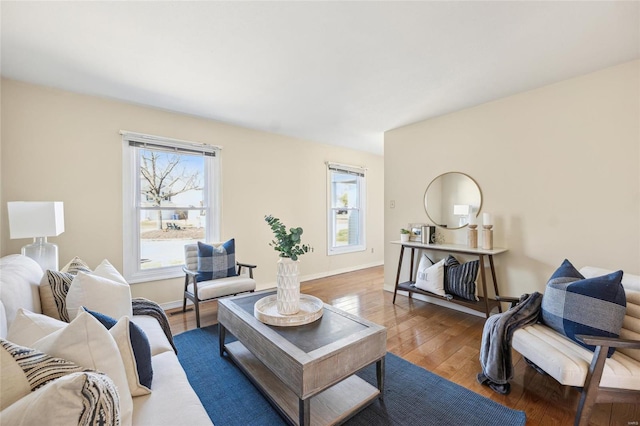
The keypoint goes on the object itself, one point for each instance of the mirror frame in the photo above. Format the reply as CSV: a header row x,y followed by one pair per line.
x,y
424,199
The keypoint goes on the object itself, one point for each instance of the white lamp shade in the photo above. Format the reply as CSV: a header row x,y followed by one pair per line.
x,y
461,209
31,219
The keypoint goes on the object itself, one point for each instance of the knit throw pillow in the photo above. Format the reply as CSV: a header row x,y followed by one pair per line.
x,y
573,304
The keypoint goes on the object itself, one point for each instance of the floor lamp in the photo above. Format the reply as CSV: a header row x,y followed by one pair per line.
x,y
37,220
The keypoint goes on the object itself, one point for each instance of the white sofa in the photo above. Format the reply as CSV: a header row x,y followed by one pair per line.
x,y
569,363
172,400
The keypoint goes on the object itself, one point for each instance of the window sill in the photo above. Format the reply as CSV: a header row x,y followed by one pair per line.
x,y
345,250
157,274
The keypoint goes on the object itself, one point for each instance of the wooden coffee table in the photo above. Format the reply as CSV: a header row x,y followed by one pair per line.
x,y
307,372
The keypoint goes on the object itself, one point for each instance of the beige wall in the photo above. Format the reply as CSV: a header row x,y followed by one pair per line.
x,y
559,169
61,146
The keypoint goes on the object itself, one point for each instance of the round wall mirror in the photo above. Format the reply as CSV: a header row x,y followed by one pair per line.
x,y
450,198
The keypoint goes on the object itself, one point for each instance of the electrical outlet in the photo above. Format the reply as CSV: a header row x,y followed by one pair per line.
x,y
371,249
392,204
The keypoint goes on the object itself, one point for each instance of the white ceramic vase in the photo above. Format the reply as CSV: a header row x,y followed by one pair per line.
x,y
288,287
404,238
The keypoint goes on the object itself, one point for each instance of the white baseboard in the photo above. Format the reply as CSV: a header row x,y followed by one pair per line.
x,y
272,285
338,271
436,301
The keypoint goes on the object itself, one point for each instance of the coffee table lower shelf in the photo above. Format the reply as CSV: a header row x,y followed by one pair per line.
x,y
331,406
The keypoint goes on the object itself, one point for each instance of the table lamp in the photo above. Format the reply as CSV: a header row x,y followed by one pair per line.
x,y
462,211
37,220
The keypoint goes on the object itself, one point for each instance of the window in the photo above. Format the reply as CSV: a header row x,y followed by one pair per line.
x,y
346,216
170,198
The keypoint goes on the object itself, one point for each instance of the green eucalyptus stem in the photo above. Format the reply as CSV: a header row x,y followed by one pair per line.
x,y
288,244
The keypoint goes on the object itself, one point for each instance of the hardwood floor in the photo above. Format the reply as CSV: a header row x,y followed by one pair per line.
x,y
443,341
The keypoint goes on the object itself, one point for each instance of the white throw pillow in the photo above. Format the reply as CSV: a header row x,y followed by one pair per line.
x,y
13,381
89,344
86,399
29,327
107,270
431,277
121,334
25,369
121,331
99,294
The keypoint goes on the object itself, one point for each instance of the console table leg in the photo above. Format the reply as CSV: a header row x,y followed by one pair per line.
x,y
495,281
483,277
304,407
395,291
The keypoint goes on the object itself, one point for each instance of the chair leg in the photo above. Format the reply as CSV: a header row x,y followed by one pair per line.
x,y
589,394
197,305
585,407
184,303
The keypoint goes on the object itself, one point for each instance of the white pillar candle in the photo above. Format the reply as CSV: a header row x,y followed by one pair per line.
x,y
486,219
472,219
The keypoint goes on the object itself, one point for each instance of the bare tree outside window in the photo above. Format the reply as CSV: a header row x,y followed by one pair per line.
x,y
165,176
171,198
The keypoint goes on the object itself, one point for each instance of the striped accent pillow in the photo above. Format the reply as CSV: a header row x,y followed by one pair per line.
x,y
25,370
460,279
82,398
53,294
55,286
574,305
76,265
216,261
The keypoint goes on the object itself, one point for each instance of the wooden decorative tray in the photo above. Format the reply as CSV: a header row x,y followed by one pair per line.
x,y
266,310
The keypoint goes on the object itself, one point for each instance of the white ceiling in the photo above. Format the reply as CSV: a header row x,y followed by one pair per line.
x,y
332,72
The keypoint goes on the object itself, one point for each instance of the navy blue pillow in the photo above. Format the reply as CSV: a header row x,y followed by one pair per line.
x,y
139,343
573,304
216,261
460,279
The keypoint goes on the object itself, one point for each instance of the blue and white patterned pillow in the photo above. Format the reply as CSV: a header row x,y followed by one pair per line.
x,y
460,279
53,294
573,304
26,370
216,261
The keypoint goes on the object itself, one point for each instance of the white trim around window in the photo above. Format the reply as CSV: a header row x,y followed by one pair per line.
x,y
346,208
133,205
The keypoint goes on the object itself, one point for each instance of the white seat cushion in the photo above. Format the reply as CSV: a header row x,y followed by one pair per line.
x,y
223,287
173,400
568,362
155,334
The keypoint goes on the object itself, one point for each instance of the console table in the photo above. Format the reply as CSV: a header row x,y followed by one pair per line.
x,y
485,304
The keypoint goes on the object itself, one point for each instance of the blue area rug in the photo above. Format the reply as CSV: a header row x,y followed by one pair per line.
x,y
412,395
